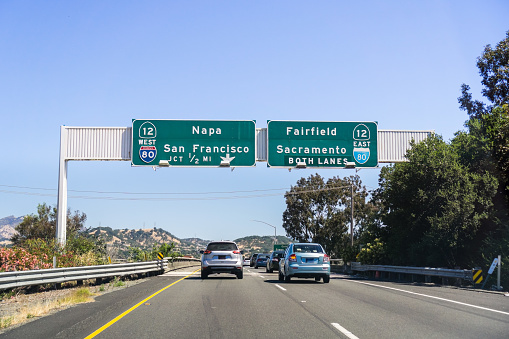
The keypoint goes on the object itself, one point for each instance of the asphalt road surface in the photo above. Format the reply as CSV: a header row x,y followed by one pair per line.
x,y
181,305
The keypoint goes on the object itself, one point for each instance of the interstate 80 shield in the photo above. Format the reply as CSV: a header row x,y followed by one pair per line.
x,y
148,153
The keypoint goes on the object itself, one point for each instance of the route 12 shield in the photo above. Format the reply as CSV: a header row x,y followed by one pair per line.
x,y
148,153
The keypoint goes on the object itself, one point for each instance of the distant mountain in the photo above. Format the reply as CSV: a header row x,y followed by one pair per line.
x,y
11,221
192,246
7,226
122,239
119,240
257,244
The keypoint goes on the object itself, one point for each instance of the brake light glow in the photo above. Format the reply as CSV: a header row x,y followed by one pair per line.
x,y
292,257
236,252
326,258
206,252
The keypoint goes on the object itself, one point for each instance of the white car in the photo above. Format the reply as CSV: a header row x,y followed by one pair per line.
x,y
222,257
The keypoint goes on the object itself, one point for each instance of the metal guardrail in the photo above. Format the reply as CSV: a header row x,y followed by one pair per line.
x,y
180,262
426,271
60,275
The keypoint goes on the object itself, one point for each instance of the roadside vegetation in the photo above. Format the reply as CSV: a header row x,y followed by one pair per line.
x,y
34,244
167,250
447,206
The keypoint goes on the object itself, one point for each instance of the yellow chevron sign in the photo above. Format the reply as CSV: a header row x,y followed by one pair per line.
x,y
477,275
160,256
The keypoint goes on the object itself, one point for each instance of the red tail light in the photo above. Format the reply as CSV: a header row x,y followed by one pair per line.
x,y
206,252
326,258
236,252
292,257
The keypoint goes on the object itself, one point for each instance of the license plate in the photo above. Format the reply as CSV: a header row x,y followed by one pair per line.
x,y
311,260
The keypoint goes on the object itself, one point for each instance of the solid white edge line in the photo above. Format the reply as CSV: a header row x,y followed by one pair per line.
x,y
344,331
282,288
433,297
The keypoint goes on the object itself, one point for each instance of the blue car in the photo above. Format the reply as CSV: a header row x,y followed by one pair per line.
x,y
261,260
303,260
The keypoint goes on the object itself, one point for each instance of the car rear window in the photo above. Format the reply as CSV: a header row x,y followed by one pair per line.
x,y
221,246
279,255
308,249
261,256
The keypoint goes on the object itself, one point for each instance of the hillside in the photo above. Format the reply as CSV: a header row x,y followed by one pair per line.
x,y
7,225
119,240
257,244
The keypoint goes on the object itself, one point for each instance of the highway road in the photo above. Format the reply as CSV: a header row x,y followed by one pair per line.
x,y
180,304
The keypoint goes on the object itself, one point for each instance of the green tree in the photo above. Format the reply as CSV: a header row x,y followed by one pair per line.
x,y
489,122
167,250
493,67
137,254
434,207
35,226
43,225
319,211
485,147
39,231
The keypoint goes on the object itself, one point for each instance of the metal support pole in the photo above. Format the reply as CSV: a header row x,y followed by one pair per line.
x,y
266,223
499,271
62,189
351,216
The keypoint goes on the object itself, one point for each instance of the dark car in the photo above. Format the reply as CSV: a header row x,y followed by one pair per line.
x,y
273,261
261,260
252,261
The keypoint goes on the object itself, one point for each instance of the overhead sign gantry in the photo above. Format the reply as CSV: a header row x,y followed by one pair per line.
x,y
215,143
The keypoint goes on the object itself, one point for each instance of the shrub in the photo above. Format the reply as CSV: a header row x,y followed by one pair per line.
x,y
19,259
36,254
373,253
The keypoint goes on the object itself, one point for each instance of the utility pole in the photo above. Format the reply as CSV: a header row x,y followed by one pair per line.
x,y
266,223
351,216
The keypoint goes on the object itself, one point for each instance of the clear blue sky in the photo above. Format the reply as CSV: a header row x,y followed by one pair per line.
x,y
104,63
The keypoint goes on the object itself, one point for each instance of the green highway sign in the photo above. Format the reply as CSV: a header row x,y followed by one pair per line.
x,y
322,144
193,143
280,247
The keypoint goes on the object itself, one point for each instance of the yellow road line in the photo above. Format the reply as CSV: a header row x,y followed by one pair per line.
x,y
134,307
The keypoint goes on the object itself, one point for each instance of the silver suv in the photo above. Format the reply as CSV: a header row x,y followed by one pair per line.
x,y
222,257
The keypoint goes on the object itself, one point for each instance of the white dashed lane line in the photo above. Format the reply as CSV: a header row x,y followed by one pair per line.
x,y
430,296
281,288
344,331
336,325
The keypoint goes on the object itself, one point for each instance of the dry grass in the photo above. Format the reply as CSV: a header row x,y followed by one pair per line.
x,y
43,308
17,308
